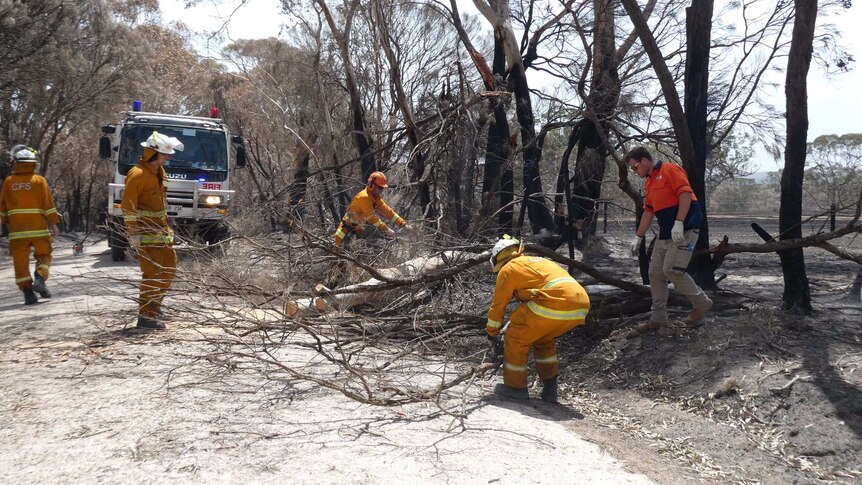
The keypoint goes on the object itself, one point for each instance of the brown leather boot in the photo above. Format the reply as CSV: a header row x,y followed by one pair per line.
x,y
697,314
650,326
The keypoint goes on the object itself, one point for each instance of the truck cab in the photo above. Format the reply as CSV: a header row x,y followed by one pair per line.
x,y
199,177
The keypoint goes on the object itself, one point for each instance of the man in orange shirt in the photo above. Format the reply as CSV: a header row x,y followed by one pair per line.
x,y
145,216
365,208
27,207
552,303
669,198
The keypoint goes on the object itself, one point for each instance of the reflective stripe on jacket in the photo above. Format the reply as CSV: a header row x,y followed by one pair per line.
x,y
546,289
364,209
145,205
26,205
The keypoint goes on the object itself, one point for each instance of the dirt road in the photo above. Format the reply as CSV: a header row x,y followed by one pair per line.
x,y
83,400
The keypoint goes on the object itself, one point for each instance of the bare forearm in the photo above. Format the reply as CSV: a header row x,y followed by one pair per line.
x,y
646,221
684,205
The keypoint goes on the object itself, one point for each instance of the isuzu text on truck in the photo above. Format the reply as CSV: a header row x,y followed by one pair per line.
x,y
199,177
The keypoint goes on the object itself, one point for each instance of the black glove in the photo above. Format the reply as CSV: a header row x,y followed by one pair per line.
x,y
495,346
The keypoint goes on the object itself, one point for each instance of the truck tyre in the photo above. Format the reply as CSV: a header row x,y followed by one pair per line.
x,y
217,234
118,254
215,239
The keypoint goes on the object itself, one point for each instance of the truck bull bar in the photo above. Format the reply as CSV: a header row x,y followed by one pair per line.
x,y
198,212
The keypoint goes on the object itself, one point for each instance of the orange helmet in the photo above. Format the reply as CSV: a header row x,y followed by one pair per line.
x,y
377,178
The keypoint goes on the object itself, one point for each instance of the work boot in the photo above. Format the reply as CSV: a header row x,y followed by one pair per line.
x,y
697,314
549,391
510,392
649,326
29,296
146,322
40,287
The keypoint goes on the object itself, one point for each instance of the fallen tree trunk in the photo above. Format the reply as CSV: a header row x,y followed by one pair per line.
x,y
816,240
422,269
380,288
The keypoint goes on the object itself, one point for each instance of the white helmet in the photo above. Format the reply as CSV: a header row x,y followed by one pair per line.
x,y
23,153
504,243
163,144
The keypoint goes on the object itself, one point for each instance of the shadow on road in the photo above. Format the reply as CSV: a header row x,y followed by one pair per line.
x,y
535,408
18,304
844,396
104,261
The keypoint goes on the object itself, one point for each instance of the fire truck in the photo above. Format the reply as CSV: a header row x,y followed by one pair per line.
x,y
199,177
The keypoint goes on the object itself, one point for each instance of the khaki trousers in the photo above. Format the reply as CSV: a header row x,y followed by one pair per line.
x,y
669,262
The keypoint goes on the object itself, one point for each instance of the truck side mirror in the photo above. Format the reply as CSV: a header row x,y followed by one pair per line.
x,y
240,156
105,147
237,139
109,129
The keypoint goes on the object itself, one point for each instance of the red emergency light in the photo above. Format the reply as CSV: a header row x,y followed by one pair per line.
x,y
214,113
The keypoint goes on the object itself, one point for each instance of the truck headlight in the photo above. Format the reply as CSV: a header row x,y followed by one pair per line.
x,y
212,199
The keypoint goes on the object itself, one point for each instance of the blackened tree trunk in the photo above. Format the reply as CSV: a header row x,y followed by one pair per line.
x,y
498,178
497,13
698,35
540,216
589,172
301,172
601,103
668,88
797,295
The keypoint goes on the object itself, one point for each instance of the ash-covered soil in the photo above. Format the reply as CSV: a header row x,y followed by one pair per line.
x,y
752,395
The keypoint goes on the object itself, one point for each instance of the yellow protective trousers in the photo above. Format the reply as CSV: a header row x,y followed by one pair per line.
x,y
345,229
526,330
19,249
159,266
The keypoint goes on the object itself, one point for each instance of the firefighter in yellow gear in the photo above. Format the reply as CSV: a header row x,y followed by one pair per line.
x,y
552,303
367,208
145,216
27,208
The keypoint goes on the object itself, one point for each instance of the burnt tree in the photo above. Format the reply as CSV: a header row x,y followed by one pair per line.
x,y
797,295
497,177
698,23
601,104
498,15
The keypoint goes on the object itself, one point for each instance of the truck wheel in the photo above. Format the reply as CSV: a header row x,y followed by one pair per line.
x,y
118,254
215,239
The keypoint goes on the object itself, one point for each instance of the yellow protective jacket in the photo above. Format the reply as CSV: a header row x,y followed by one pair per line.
x,y
26,204
144,205
364,210
546,288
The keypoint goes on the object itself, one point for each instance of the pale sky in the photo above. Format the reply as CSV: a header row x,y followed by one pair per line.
x,y
835,105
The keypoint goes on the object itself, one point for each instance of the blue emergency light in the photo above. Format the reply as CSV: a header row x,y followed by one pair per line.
x,y
136,105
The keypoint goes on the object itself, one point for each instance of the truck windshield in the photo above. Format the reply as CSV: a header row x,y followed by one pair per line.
x,y
204,154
